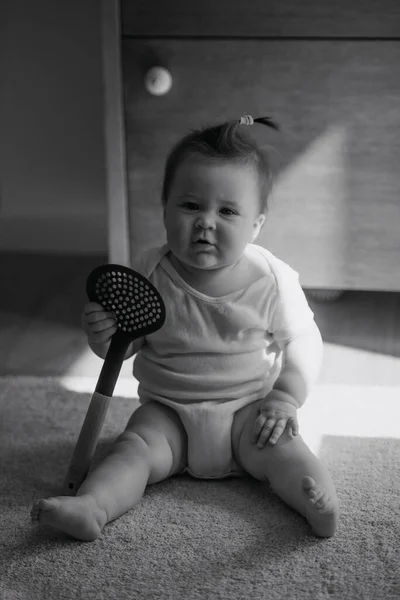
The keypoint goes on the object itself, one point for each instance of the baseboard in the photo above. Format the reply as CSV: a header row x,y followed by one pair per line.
x,y
78,234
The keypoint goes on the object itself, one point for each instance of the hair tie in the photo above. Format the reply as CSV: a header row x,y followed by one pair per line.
x,y
246,120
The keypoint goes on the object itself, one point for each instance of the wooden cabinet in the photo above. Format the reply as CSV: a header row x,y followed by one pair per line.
x,y
324,76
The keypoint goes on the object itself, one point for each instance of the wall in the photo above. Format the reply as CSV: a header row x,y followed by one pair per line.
x,y
52,165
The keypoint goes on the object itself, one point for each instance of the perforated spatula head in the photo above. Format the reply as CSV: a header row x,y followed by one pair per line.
x,y
139,308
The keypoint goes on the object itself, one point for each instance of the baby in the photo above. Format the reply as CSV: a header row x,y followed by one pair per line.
x,y
220,383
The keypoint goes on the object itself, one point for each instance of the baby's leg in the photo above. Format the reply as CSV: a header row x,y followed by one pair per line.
x,y
296,475
152,448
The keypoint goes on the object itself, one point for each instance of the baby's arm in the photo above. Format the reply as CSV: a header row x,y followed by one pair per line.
x,y
301,362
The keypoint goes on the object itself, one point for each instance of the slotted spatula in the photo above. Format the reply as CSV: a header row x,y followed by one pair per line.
x,y
139,311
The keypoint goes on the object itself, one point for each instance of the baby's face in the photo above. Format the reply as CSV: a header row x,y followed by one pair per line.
x,y
216,202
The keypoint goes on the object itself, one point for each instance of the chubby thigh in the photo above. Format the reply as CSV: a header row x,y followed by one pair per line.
x,y
162,430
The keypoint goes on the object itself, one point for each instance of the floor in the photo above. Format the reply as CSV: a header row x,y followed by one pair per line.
x,y
42,297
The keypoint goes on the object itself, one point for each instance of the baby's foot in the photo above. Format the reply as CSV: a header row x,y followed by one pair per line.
x,y
79,516
321,509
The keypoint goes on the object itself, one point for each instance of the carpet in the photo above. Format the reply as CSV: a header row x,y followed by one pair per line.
x,y
229,539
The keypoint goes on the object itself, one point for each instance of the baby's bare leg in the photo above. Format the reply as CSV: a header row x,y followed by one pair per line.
x,y
152,448
296,475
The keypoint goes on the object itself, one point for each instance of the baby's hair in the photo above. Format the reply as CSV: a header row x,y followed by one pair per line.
x,y
225,142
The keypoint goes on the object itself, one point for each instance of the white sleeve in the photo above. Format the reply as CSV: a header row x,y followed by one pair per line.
x,y
290,313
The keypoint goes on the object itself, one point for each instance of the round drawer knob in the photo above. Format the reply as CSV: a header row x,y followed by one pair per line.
x,y
158,81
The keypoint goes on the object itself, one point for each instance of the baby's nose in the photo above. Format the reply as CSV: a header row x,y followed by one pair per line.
x,y
205,221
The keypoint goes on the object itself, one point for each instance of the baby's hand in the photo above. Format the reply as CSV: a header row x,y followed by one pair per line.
x,y
275,415
98,324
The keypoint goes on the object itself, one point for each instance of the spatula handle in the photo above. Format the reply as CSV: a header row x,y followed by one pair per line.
x,y
96,413
86,444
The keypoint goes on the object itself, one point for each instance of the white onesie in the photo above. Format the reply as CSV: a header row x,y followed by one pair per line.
x,y
215,355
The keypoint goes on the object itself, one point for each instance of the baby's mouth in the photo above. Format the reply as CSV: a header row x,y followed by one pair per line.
x,y
203,241
202,246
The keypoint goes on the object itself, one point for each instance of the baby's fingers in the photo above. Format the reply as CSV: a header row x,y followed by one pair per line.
x,y
258,425
272,431
279,428
94,312
100,320
102,325
102,337
294,425
91,307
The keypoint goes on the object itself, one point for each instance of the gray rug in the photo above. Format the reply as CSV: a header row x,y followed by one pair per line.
x,y
231,539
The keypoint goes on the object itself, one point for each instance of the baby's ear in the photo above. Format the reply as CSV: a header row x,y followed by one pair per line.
x,y
257,225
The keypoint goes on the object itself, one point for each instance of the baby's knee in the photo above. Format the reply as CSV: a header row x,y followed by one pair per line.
x,y
131,442
141,442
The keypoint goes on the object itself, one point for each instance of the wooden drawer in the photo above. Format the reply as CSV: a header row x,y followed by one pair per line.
x,y
266,18
335,209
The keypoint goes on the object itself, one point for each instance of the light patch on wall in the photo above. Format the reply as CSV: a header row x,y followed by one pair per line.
x,y
311,194
319,169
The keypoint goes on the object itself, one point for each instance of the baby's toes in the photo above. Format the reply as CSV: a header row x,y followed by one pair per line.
x,y
321,501
315,496
48,504
35,510
311,489
44,504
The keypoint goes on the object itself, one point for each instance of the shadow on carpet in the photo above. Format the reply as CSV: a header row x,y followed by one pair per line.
x,y
229,539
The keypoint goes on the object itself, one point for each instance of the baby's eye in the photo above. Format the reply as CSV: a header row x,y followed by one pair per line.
x,y
228,211
190,205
